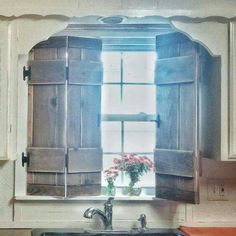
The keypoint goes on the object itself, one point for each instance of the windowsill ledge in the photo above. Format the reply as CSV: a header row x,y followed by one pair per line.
x,y
85,198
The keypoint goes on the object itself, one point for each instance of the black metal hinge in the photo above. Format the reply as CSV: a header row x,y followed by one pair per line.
x,y
158,121
25,159
26,73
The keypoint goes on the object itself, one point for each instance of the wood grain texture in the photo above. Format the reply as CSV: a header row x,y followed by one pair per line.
x,y
176,188
46,159
85,43
187,119
48,72
74,116
84,190
45,190
85,160
84,178
48,116
53,42
85,72
175,70
45,54
174,162
168,109
91,123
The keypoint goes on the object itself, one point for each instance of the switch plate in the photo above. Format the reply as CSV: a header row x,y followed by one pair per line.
x,y
217,190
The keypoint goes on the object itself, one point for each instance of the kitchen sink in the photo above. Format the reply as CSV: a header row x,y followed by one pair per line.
x,y
133,232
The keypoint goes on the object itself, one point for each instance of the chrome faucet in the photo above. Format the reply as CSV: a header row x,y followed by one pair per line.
x,y
105,216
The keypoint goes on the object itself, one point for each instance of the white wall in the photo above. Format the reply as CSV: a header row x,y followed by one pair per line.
x,y
17,36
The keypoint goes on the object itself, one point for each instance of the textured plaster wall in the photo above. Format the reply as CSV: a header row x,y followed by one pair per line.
x,y
14,41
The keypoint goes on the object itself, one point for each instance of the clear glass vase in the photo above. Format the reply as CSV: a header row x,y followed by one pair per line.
x,y
111,188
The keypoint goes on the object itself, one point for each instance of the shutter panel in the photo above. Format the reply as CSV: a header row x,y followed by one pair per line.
x,y
46,118
84,108
176,157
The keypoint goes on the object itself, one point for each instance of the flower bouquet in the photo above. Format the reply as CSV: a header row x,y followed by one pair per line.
x,y
134,166
110,176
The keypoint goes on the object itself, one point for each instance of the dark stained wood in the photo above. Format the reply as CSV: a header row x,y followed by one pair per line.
x,y
84,178
176,188
176,158
74,116
48,72
75,54
30,116
46,159
85,160
91,55
187,107
174,162
53,42
210,119
91,109
45,190
168,109
48,116
175,70
85,43
45,54
84,190
85,72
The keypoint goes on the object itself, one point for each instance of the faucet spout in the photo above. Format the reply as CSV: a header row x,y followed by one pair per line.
x,y
105,216
90,212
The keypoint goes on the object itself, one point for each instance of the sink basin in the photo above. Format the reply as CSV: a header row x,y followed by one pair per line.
x,y
80,232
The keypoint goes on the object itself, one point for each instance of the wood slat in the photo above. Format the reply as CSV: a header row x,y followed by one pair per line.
x,y
85,72
84,190
175,70
84,178
45,190
48,115
45,54
187,124
53,42
48,72
174,162
167,108
85,43
91,55
91,122
176,188
85,160
46,159
74,116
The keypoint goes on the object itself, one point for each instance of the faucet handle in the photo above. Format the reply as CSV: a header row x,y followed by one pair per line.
x,y
143,221
108,202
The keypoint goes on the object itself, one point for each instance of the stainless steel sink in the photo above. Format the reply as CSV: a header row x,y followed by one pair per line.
x,y
80,232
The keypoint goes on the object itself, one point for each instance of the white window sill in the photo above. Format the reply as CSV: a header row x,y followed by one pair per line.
x,y
85,198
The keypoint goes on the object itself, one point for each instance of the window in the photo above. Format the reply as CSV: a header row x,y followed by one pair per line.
x,y
128,108
73,114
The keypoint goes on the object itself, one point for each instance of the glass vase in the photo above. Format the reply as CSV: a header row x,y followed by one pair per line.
x,y
110,189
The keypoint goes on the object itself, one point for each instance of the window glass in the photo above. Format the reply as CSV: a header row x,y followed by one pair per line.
x,y
139,137
139,67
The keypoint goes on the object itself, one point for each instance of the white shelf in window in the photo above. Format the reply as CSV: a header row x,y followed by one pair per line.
x,y
85,198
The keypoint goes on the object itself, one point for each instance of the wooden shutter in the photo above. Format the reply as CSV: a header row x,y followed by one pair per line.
x,y
46,118
84,108
176,154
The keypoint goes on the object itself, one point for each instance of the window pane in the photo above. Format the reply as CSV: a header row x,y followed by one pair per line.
x,y
139,137
111,101
111,136
139,67
138,99
111,66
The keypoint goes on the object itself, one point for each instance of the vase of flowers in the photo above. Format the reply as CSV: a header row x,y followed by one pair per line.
x,y
110,176
134,166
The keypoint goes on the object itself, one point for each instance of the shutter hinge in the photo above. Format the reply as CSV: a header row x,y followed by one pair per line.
x,y
26,73
158,121
25,159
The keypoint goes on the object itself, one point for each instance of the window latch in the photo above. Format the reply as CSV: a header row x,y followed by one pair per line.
x,y
26,73
25,159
